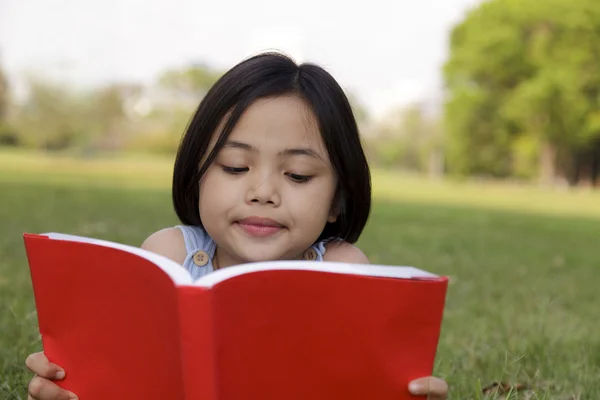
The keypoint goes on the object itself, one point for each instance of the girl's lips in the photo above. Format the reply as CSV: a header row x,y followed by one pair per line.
x,y
262,227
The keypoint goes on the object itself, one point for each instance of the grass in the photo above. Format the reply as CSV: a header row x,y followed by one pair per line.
x,y
522,303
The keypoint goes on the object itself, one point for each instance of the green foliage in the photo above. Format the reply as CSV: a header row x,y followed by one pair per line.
x,y
193,80
363,118
8,135
154,142
51,118
181,91
55,118
522,71
4,96
525,152
408,138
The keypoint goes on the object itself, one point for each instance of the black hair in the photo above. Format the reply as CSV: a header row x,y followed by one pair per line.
x,y
267,75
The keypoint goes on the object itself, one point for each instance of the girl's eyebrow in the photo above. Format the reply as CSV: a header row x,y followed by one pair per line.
x,y
305,151
302,152
238,145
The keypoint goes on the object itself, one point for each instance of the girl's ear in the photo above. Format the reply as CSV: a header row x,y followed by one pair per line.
x,y
333,215
336,208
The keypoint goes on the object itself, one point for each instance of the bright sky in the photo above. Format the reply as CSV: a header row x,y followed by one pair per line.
x,y
388,51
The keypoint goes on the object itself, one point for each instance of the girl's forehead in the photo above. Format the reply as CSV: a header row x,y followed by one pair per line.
x,y
285,120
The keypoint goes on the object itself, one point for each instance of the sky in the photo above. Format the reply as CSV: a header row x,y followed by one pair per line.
x,y
389,52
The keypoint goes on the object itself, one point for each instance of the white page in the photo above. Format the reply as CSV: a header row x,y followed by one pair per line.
x,y
181,277
397,272
176,271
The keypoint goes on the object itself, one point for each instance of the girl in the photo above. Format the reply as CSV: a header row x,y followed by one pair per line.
x,y
271,167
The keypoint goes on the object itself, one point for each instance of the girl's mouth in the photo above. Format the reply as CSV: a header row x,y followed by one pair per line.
x,y
258,226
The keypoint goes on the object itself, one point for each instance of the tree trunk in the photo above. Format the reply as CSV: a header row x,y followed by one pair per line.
x,y
547,164
436,164
595,173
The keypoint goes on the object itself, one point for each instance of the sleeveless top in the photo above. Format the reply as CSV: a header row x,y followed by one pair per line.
x,y
200,249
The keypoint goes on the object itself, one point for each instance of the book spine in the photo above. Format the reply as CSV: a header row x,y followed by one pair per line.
x,y
197,343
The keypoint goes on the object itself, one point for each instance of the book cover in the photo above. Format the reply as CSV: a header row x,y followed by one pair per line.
x,y
127,323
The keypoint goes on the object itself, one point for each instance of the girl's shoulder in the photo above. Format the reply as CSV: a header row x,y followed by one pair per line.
x,y
177,241
190,246
342,251
168,242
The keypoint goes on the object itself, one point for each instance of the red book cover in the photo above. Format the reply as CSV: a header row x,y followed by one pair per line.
x,y
126,323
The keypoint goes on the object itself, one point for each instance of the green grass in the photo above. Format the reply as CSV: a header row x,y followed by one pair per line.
x,y
524,267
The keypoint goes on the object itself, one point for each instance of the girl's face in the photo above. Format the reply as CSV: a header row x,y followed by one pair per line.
x,y
270,190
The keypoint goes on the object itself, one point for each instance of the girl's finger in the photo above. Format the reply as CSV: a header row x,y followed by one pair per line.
x,y
39,364
42,389
428,386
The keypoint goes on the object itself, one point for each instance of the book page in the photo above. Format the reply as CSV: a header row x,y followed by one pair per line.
x,y
179,275
397,272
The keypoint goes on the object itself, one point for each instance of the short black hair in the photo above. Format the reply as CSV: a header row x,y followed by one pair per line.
x,y
267,75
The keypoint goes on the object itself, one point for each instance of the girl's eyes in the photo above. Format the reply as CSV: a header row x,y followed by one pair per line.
x,y
299,178
234,170
240,170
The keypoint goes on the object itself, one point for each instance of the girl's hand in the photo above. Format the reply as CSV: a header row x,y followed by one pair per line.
x,y
41,386
433,388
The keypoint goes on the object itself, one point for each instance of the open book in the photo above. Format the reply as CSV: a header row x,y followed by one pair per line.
x,y
126,323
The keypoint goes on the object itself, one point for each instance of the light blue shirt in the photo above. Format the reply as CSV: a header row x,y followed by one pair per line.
x,y
196,239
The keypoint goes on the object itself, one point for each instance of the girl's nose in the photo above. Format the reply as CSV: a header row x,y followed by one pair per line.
x,y
265,192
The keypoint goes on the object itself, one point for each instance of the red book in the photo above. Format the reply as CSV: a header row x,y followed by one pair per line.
x,y
126,323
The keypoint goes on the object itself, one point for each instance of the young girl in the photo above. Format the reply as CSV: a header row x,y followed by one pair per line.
x,y
271,167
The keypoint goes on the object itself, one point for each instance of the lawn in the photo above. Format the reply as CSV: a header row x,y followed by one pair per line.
x,y
523,261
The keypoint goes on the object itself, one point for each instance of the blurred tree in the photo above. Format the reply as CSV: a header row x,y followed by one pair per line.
x,y
190,82
4,96
106,116
413,130
361,114
55,118
8,135
409,138
114,117
174,99
524,88
51,117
